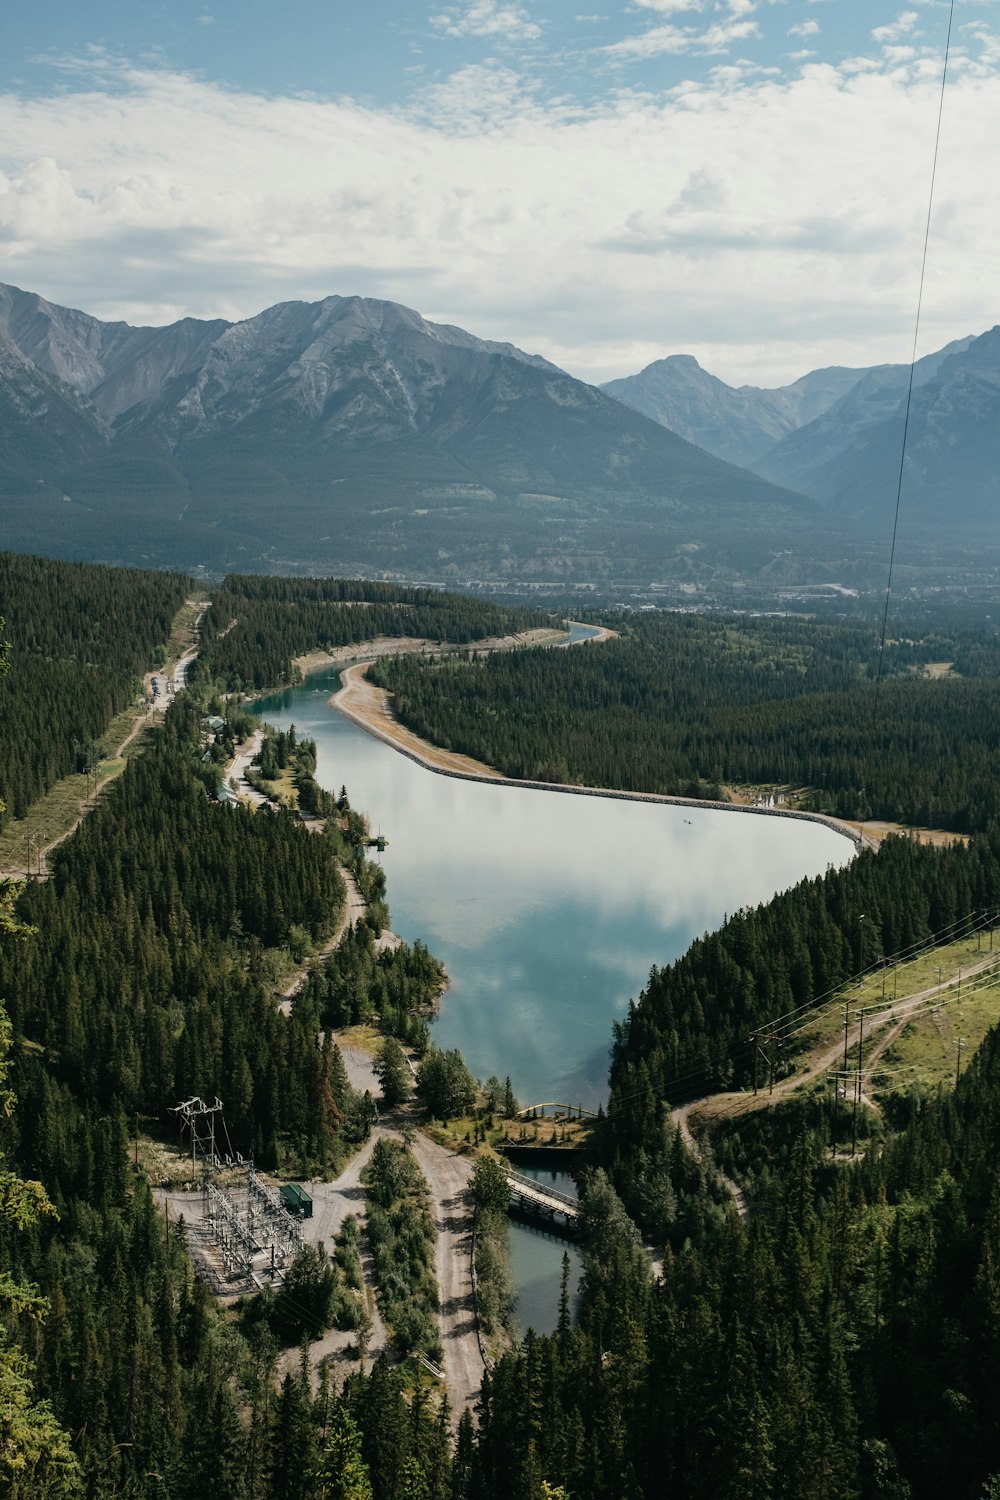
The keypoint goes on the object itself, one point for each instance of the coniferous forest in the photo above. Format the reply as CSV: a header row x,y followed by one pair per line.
x,y
257,626
79,639
840,1343
688,704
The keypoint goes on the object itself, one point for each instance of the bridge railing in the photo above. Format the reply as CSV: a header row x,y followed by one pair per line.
x,y
541,1190
571,1111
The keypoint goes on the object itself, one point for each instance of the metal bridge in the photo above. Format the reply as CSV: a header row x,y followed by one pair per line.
x,y
558,1210
561,1111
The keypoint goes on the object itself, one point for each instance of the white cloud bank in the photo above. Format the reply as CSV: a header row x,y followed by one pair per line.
x,y
768,226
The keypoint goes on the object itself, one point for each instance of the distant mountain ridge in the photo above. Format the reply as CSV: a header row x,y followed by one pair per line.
x,y
344,434
739,424
836,435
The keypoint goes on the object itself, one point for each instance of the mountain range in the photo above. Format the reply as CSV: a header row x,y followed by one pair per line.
x,y
836,435
354,436
350,435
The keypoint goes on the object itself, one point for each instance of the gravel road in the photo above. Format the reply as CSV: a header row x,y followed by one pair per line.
x,y
448,1177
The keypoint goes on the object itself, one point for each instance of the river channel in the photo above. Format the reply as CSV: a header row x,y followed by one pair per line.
x,y
547,910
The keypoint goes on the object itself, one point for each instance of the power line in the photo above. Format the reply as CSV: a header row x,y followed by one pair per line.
x,y
906,418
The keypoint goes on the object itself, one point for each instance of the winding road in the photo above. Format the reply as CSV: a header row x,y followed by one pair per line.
x,y
448,1177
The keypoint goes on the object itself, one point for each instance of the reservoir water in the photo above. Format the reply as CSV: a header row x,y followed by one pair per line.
x,y
548,911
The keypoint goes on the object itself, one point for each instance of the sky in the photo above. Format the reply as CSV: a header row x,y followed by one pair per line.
x,y
603,182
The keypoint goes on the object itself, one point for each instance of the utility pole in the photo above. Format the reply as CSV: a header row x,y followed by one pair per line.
x,y
958,1060
199,1117
769,1057
846,1018
839,1092
858,1084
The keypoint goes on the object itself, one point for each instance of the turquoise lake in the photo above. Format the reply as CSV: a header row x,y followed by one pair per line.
x,y
548,910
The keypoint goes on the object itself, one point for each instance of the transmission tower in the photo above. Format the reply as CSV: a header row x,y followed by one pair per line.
x,y
249,1223
199,1118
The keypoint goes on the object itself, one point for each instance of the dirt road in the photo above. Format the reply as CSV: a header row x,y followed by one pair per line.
x,y
448,1177
354,910
680,1119
894,1015
240,764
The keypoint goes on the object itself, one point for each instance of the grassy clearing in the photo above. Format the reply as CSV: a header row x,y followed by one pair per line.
x,y
896,982
470,1133
878,831
53,816
182,632
282,790
927,1051
365,1038
796,797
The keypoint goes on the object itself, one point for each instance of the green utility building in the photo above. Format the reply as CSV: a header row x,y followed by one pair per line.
x,y
297,1200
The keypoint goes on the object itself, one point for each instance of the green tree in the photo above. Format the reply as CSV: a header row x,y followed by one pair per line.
x,y
490,1189
343,1474
304,1305
36,1458
393,1072
445,1085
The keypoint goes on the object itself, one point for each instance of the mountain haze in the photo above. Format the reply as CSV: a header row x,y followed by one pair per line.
x,y
837,434
739,424
848,458
348,433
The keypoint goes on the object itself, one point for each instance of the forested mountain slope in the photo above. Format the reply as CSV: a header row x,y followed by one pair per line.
x,y
844,1343
844,1346
347,435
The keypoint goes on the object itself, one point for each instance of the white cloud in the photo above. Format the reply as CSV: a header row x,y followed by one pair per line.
x,y
900,27
804,28
488,18
668,6
676,39
768,225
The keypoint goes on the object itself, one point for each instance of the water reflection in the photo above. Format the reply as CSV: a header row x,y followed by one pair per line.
x,y
547,909
536,1260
